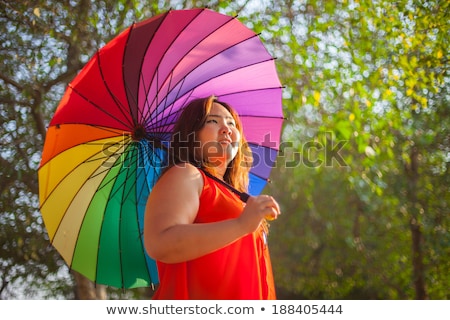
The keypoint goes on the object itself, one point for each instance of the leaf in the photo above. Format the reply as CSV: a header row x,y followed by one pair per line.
x,y
37,12
316,96
344,128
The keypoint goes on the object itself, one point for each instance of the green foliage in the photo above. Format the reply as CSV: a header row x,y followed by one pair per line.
x,y
373,74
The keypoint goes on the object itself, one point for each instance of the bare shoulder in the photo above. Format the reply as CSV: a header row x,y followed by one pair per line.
x,y
183,175
174,200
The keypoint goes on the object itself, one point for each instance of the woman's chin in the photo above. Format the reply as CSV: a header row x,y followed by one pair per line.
x,y
222,154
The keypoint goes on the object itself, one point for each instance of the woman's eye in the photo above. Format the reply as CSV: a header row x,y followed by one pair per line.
x,y
211,121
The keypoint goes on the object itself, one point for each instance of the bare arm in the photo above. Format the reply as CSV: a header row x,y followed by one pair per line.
x,y
169,232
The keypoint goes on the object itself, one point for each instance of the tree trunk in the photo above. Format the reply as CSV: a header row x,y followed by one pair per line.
x,y
85,289
417,259
412,174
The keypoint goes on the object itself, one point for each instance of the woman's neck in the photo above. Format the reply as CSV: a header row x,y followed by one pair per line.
x,y
217,171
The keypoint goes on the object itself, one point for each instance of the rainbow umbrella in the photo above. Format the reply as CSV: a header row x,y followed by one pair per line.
x,y
105,145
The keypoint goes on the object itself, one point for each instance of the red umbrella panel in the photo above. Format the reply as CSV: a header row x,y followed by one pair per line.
x,y
104,147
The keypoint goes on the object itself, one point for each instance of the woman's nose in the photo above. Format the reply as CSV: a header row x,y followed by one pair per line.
x,y
226,129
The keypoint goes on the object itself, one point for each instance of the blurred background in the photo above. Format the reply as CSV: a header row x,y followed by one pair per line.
x,y
362,175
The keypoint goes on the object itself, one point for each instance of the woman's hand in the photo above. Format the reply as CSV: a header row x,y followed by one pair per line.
x,y
256,209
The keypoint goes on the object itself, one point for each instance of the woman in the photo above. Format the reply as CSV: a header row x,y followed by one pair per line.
x,y
208,244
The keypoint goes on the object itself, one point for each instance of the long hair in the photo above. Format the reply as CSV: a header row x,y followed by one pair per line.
x,y
185,147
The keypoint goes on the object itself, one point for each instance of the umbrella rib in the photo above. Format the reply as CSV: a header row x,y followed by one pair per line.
x,y
97,106
149,103
216,76
251,90
163,55
164,124
80,164
125,195
127,192
253,173
146,90
165,121
142,194
238,68
148,113
114,97
169,108
131,164
129,92
110,196
63,215
192,48
155,117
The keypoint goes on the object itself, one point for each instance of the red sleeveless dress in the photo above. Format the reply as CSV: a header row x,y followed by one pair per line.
x,y
239,271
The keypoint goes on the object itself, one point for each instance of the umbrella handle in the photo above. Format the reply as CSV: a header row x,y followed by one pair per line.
x,y
242,195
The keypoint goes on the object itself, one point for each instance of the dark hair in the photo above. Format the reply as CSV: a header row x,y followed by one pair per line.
x,y
184,145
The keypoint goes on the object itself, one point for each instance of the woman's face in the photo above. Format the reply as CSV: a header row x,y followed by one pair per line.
x,y
219,137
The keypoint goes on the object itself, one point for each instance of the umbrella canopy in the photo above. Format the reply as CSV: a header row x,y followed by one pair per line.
x,y
104,147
